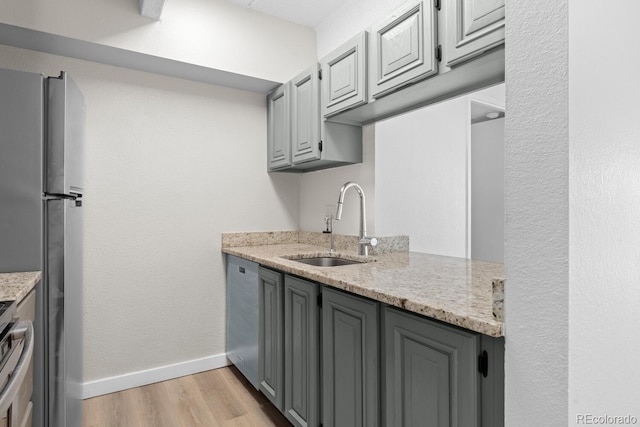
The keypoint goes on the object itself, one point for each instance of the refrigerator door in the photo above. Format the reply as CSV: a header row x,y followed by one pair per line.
x,y
21,111
63,301
65,137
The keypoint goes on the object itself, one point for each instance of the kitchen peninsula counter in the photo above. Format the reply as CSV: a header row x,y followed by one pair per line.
x,y
16,286
457,291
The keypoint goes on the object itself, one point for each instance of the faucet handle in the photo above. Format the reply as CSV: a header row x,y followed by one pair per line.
x,y
371,241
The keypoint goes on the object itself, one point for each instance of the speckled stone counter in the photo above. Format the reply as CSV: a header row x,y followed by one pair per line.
x,y
454,290
16,286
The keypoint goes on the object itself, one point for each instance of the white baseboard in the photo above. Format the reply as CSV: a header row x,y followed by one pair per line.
x,y
154,375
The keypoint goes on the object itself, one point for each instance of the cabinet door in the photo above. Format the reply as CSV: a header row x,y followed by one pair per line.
x,y
305,116
344,76
279,128
473,26
404,48
349,360
302,353
270,336
431,377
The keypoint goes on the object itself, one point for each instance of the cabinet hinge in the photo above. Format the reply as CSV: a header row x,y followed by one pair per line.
x,y
437,4
320,146
319,74
439,53
319,300
483,363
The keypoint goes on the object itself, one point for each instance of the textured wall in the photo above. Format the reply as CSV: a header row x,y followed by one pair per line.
x,y
211,33
604,334
537,214
170,165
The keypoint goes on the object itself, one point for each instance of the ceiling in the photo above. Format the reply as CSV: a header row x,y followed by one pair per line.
x,y
304,12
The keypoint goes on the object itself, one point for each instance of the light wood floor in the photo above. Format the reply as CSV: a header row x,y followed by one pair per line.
x,y
222,397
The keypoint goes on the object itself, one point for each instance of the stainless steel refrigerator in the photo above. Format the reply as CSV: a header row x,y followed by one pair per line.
x,y
41,221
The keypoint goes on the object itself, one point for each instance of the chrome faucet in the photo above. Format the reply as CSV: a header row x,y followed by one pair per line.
x,y
365,241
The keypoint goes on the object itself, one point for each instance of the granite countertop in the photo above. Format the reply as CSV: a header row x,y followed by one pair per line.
x,y
454,290
16,286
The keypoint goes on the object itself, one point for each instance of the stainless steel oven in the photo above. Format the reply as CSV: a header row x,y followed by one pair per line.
x,y
16,353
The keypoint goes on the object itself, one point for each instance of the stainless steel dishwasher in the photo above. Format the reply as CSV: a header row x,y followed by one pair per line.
x,y
16,352
242,316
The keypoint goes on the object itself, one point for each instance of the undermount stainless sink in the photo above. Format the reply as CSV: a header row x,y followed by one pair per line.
x,y
326,261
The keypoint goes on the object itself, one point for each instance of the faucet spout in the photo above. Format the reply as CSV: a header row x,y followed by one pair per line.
x,y
364,241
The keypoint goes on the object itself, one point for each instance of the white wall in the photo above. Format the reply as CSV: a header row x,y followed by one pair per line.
x,y
423,182
537,214
349,19
210,33
604,206
421,177
321,188
317,189
487,190
170,165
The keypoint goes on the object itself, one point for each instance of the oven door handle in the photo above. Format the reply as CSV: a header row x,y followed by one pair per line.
x,y
23,330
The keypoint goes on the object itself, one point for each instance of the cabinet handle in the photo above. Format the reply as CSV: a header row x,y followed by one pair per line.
x,y
483,364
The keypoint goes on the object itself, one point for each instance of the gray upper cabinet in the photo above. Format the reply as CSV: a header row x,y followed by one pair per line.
x,y
431,377
305,116
270,336
473,27
404,48
298,140
350,380
344,76
278,128
302,352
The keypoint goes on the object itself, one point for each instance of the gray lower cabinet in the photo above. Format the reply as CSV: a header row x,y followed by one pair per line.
x,y
404,48
431,376
473,27
492,384
242,316
344,76
332,358
302,352
271,336
350,362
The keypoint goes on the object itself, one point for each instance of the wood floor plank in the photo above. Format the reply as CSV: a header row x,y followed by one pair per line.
x,y
217,398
